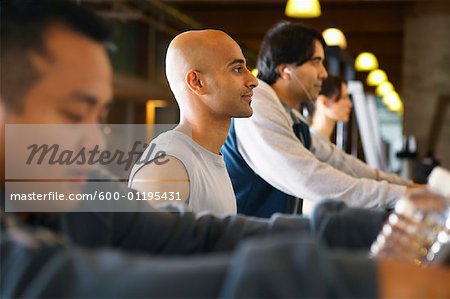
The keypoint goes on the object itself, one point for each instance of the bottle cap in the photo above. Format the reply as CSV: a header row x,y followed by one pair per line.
x,y
439,181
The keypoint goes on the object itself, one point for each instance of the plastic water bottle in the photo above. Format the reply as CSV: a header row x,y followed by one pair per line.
x,y
419,227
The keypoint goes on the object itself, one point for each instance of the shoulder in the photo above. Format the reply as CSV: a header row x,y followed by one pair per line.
x,y
166,174
156,155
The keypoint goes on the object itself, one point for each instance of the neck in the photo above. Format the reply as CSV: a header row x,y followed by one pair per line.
x,y
323,124
285,95
208,132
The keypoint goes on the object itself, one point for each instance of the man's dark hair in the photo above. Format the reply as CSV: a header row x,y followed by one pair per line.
x,y
23,27
285,42
332,87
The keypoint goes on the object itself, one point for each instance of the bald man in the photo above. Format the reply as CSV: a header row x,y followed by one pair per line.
x,y
207,74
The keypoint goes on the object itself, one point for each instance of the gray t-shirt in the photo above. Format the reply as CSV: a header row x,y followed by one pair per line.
x,y
210,187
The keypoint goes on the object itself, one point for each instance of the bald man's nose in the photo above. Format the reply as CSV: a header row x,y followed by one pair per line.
x,y
253,82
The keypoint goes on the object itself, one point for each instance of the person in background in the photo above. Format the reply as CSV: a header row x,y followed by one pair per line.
x,y
332,105
152,254
273,160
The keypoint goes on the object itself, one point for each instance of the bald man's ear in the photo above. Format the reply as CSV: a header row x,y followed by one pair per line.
x,y
196,82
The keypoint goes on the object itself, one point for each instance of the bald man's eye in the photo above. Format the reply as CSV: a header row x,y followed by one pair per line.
x,y
238,69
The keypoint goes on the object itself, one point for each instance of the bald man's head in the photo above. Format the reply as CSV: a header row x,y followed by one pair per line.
x,y
208,65
194,50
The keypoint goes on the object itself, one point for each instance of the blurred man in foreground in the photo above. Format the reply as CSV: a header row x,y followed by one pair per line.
x,y
128,254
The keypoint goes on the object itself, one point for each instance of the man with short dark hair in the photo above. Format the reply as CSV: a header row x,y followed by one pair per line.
x,y
86,255
271,157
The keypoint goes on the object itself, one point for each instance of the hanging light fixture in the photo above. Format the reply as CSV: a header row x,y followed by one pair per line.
x,y
334,37
366,61
303,9
393,102
384,88
376,77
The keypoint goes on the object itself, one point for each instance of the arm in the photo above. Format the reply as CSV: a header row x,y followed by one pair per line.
x,y
267,142
139,226
328,153
183,233
157,231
